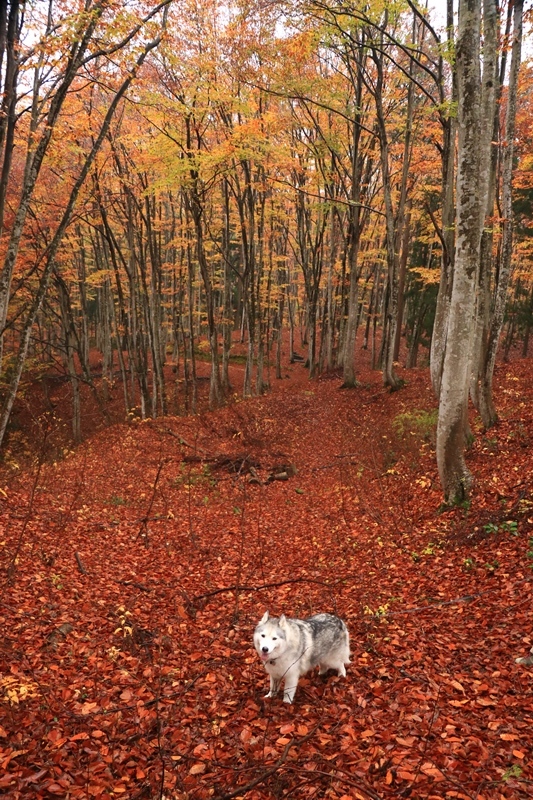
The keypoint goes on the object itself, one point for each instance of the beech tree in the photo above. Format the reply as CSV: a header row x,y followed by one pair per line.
x,y
498,302
475,318
452,425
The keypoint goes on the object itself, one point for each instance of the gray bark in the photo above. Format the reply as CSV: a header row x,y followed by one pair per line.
x,y
453,404
489,134
440,326
486,405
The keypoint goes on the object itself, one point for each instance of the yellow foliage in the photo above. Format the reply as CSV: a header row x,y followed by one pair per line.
x,y
428,276
14,691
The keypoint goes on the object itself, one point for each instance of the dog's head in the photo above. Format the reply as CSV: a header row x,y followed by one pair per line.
x,y
269,637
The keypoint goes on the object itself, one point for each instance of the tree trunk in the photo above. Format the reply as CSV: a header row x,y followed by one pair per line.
x,y
489,161
354,226
453,404
486,405
57,239
36,153
440,325
216,392
227,322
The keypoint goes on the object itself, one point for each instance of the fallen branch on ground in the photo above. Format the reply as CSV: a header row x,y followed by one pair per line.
x,y
242,790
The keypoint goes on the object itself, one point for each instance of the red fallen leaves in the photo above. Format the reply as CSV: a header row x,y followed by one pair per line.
x,y
155,692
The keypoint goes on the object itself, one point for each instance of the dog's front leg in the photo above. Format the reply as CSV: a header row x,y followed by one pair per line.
x,y
289,688
274,686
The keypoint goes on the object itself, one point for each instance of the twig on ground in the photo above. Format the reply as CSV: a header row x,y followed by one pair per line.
x,y
467,598
143,530
242,790
81,566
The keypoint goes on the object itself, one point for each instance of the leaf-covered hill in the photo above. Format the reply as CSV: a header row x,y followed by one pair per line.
x,y
135,569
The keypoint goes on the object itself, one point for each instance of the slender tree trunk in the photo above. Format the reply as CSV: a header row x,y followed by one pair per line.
x,y
354,228
227,322
440,325
36,154
9,68
527,332
58,238
486,406
216,392
489,161
390,318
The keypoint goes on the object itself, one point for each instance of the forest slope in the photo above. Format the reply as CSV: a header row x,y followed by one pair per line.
x,y
135,569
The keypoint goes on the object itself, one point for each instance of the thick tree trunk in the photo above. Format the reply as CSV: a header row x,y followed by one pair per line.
x,y
453,405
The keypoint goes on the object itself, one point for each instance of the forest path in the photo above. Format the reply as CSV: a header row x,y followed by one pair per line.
x,y
136,567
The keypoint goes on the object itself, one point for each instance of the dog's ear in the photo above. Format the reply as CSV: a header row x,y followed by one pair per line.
x,y
282,621
264,618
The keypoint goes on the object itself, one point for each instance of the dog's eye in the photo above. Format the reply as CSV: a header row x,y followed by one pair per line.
x,y
262,636
274,638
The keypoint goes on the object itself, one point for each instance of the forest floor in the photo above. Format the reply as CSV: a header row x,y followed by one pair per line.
x,y
135,567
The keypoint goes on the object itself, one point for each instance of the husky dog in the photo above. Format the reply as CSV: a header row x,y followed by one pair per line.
x,y
527,661
291,647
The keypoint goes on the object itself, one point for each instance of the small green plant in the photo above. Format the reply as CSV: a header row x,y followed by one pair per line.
x,y
492,566
511,526
380,612
529,552
188,478
56,581
429,550
455,502
116,500
419,423
490,528
513,772
207,474
469,563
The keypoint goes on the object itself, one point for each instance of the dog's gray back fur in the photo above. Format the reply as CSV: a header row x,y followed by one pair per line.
x,y
291,647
